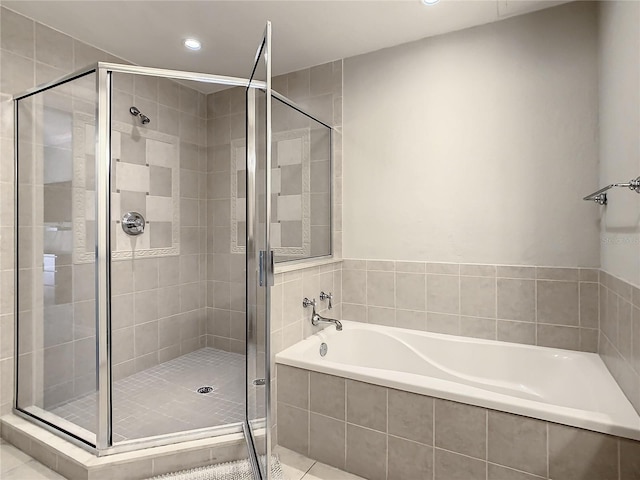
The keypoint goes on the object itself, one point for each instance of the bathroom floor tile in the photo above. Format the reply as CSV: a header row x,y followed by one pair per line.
x,y
17,465
163,399
299,467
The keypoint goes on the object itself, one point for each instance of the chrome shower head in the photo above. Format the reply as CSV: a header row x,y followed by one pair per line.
x,y
135,111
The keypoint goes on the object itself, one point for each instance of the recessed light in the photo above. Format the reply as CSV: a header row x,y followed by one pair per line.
x,y
192,44
429,2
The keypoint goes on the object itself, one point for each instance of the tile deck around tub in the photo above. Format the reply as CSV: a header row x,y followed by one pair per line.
x,y
163,399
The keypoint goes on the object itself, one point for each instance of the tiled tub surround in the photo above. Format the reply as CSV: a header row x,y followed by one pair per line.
x,y
572,388
620,333
383,433
551,307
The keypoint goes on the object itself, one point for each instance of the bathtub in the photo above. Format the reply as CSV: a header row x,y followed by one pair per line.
x,y
561,386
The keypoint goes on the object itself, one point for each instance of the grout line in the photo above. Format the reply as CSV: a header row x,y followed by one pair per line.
x,y
547,435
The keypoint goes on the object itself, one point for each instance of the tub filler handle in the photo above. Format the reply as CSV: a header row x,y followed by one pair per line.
x,y
316,318
327,296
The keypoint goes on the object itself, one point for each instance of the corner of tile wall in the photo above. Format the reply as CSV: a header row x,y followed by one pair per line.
x,y
619,333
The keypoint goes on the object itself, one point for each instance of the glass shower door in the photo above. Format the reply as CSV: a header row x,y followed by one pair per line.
x,y
259,256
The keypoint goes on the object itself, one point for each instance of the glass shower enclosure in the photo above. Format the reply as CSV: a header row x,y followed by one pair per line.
x,y
119,172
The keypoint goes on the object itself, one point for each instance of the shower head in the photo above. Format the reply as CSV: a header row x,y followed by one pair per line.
x,y
135,111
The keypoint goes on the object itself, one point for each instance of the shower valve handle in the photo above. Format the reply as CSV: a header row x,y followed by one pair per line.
x,y
327,296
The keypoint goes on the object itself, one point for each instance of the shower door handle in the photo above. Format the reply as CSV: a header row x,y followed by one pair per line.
x,y
266,274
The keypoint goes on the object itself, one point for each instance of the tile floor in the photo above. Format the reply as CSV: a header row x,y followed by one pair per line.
x,y
15,465
163,399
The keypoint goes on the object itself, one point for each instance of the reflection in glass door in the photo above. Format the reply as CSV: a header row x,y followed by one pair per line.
x,y
259,256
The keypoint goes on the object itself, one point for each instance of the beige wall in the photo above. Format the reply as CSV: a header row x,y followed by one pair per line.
x,y
476,146
619,96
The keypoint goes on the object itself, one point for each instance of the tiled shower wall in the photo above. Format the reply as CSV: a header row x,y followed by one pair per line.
x,y
620,334
158,302
552,307
317,89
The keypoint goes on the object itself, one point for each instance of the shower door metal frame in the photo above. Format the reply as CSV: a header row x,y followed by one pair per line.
x,y
259,272
103,444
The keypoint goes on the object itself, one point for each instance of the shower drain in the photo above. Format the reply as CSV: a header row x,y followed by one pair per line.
x,y
205,390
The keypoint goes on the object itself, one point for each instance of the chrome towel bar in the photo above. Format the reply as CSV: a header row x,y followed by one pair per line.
x,y
601,198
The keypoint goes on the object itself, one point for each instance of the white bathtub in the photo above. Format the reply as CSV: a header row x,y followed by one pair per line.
x,y
562,386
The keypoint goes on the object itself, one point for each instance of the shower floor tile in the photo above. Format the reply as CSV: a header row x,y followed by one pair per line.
x,y
163,399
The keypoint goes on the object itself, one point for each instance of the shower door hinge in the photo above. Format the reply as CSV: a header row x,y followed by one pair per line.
x,y
266,268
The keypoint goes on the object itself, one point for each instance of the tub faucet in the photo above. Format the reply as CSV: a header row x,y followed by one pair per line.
x,y
316,318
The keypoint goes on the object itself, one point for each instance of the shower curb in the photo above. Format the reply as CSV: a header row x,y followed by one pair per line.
x,y
75,463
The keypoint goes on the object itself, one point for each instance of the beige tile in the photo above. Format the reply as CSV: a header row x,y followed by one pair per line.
x,y
366,453
33,471
16,33
451,466
443,268
181,461
293,386
355,313
380,289
410,319
381,265
293,428
327,438
629,459
556,336
367,405
478,296
516,332
552,273
294,465
474,270
516,299
320,471
589,340
411,267
408,460
443,323
507,271
443,293
145,274
381,316
557,302
327,395
410,291
410,416
53,48
517,442
461,428
478,327
581,454
589,305
625,336
589,275
497,472
11,457
354,286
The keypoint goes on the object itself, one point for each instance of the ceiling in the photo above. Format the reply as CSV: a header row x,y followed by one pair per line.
x,y
305,32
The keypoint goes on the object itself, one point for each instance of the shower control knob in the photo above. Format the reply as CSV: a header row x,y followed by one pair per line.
x,y
133,223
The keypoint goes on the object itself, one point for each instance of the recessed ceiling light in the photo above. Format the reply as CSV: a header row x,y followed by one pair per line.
x,y
192,44
429,2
